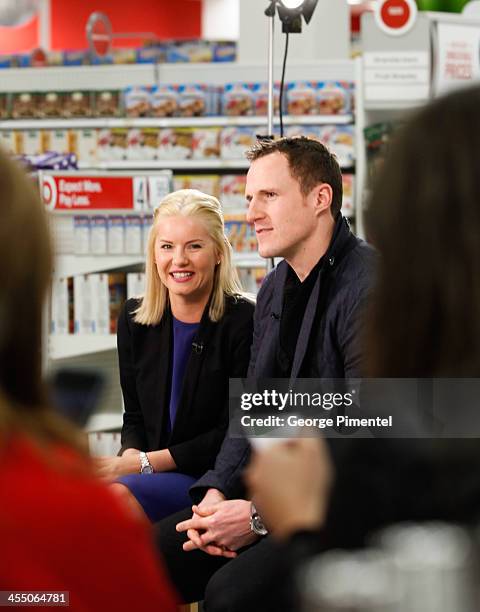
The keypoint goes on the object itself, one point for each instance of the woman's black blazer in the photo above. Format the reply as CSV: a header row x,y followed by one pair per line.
x,y
219,351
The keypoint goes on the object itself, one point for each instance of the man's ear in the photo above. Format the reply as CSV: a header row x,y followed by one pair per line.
x,y
322,197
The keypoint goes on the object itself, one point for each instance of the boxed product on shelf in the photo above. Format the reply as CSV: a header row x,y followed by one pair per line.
x,y
237,99
301,98
58,141
260,98
310,131
137,101
240,234
232,192
112,144
24,105
164,101
117,285
175,143
348,209
159,186
29,142
251,278
340,139
59,323
206,143
4,106
81,235
75,58
98,235
234,141
100,306
124,56
151,54
203,182
82,305
189,51
146,226
197,100
133,235
135,284
77,104
115,235
224,51
143,143
84,144
333,98
50,104
107,103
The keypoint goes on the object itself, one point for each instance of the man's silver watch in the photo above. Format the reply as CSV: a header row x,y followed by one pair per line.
x,y
256,523
145,465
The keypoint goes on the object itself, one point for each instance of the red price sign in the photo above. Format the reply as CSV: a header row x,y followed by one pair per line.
x,y
395,17
85,193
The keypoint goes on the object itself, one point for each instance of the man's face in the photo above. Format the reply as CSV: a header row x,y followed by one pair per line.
x,y
282,215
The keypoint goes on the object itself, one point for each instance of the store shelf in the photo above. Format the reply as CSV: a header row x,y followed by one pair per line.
x,y
104,422
72,265
74,345
169,164
169,122
248,260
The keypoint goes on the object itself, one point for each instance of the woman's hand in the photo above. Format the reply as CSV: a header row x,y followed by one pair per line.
x,y
110,468
290,484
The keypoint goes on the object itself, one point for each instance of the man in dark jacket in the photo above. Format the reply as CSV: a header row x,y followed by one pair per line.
x,y
306,325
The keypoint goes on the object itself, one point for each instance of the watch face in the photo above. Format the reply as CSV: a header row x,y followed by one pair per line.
x,y
147,469
257,526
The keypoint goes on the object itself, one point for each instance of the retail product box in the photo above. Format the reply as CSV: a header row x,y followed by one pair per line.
x,y
237,99
206,143
98,235
175,143
232,193
151,54
50,105
240,234
59,319
56,141
81,235
137,101
112,144
348,209
252,278
4,106
9,142
301,98
83,143
124,56
309,131
234,141
340,140
142,143
260,98
147,221
117,285
205,183
78,104
333,98
24,105
164,101
107,103
187,51
133,235
135,284
115,235
194,100
74,58
32,142
82,305
100,299
159,186
224,51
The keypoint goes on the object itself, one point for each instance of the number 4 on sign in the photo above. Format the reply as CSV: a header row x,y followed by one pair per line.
x,y
139,193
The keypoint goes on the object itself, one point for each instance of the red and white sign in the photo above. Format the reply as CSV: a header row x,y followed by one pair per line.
x,y
457,57
85,193
396,17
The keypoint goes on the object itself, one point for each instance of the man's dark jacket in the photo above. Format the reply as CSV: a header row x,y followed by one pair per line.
x,y
328,345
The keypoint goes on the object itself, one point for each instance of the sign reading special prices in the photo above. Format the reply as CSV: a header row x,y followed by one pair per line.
x,y
91,192
457,60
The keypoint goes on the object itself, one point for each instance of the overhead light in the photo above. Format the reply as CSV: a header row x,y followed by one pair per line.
x,y
291,12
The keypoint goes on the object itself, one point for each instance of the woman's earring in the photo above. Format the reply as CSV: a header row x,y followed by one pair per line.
x,y
218,262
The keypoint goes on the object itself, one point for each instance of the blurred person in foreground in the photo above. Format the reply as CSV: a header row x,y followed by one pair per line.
x,y
423,322
178,346
60,528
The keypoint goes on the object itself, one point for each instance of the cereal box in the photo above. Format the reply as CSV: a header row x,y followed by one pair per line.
x,y
175,143
193,100
164,101
333,98
237,99
206,143
260,98
232,192
107,103
234,141
348,209
137,101
301,98
77,104
340,140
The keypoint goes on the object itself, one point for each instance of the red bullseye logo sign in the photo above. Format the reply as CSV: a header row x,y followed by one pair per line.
x,y
49,191
396,17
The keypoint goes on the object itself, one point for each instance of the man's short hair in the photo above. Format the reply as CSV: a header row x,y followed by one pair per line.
x,y
310,163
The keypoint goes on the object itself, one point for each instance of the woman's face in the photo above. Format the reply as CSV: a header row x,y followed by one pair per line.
x,y
185,256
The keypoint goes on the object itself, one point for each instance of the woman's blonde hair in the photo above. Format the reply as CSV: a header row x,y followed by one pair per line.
x,y
206,208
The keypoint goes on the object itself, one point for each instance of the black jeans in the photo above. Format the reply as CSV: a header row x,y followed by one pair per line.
x,y
226,585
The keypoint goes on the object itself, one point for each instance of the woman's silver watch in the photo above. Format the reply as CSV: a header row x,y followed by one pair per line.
x,y
256,523
145,465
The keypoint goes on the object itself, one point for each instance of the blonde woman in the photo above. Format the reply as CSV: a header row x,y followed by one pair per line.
x,y
178,346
